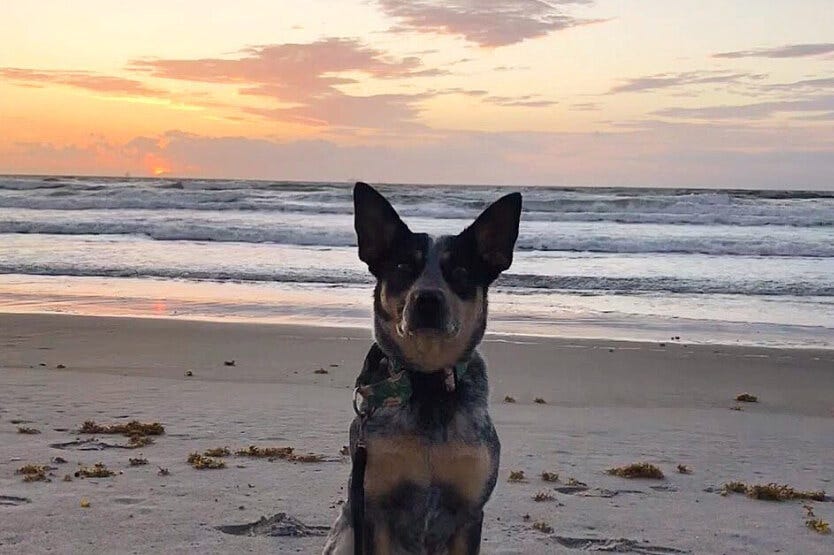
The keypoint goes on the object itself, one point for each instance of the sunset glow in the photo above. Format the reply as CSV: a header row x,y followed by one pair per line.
x,y
503,91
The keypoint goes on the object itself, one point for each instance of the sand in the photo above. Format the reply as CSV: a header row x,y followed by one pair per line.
x,y
607,404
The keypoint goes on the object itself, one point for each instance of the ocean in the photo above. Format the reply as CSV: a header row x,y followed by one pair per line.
x,y
707,266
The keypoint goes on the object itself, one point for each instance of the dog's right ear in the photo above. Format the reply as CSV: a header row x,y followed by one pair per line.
x,y
378,227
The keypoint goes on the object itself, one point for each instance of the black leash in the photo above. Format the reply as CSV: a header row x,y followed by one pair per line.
x,y
357,489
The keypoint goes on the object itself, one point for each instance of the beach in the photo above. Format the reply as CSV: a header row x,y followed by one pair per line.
x,y
605,404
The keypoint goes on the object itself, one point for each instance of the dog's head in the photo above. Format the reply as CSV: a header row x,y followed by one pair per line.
x,y
430,300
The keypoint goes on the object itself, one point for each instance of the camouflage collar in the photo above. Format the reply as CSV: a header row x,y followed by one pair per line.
x,y
395,390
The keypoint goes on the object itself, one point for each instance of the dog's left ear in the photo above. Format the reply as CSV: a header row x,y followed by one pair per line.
x,y
495,232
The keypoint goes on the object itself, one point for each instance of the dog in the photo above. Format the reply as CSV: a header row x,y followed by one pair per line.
x,y
424,450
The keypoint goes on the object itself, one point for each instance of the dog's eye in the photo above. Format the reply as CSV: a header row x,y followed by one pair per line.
x,y
404,267
460,274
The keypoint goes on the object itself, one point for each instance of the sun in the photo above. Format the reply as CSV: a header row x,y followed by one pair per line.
x,y
156,164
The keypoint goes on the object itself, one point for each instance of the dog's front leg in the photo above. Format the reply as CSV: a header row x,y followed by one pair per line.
x,y
467,538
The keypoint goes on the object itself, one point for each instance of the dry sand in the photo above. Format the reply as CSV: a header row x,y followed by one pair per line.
x,y
607,404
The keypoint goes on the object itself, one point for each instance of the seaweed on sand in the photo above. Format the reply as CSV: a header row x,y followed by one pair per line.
x,y
637,470
33,472
201,462
98,470
517,476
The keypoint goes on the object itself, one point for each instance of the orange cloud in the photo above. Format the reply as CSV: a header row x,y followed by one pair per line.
x,y
79,79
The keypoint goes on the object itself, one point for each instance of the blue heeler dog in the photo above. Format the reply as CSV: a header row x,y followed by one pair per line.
x,y
424,450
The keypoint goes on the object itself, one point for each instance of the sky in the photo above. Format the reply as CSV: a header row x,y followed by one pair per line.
x,y
687,93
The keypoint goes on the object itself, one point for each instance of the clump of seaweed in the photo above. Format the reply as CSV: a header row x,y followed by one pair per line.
x,y
543,527
509,399
736,407
282,453
139,461
344,451
202,462
543,496
781,492
683,469
574,482
818,525
163,471
306,458
517,476
734,487
772,492
320,371
132,428
265,452
137,432
539,401
550,476
814,523
85,503
67,478
33,472
746,398
637,470
217,452
98,470
27,430
134,442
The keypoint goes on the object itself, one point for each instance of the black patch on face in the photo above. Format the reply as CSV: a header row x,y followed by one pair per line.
x,y
462,268
404,264
399,271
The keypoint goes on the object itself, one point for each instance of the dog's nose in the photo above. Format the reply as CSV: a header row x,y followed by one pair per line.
x,y
429,310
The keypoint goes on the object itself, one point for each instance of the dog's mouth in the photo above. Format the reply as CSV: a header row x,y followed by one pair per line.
x,y
448,331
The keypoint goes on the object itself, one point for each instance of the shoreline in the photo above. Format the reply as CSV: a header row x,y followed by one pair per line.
x,y
276,353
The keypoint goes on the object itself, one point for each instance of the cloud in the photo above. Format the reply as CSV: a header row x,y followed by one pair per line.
x,y
585,106
289,72
485,22
308,76
803,85
786,51
105,84
669,80
528,101
387,111
655,153
758,110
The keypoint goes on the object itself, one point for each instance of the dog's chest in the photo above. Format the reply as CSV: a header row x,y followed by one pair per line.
x,y
396,462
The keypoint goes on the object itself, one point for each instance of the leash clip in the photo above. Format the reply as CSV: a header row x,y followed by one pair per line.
x,y
357,404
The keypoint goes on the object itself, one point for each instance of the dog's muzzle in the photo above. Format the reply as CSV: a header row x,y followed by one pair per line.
x,y
427,311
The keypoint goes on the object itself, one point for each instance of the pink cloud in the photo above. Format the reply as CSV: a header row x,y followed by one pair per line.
x,y
289,72
485,22
307,75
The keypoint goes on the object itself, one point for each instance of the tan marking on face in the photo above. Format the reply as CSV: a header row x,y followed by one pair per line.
x,y
464,467
392,461
393,304
431,352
